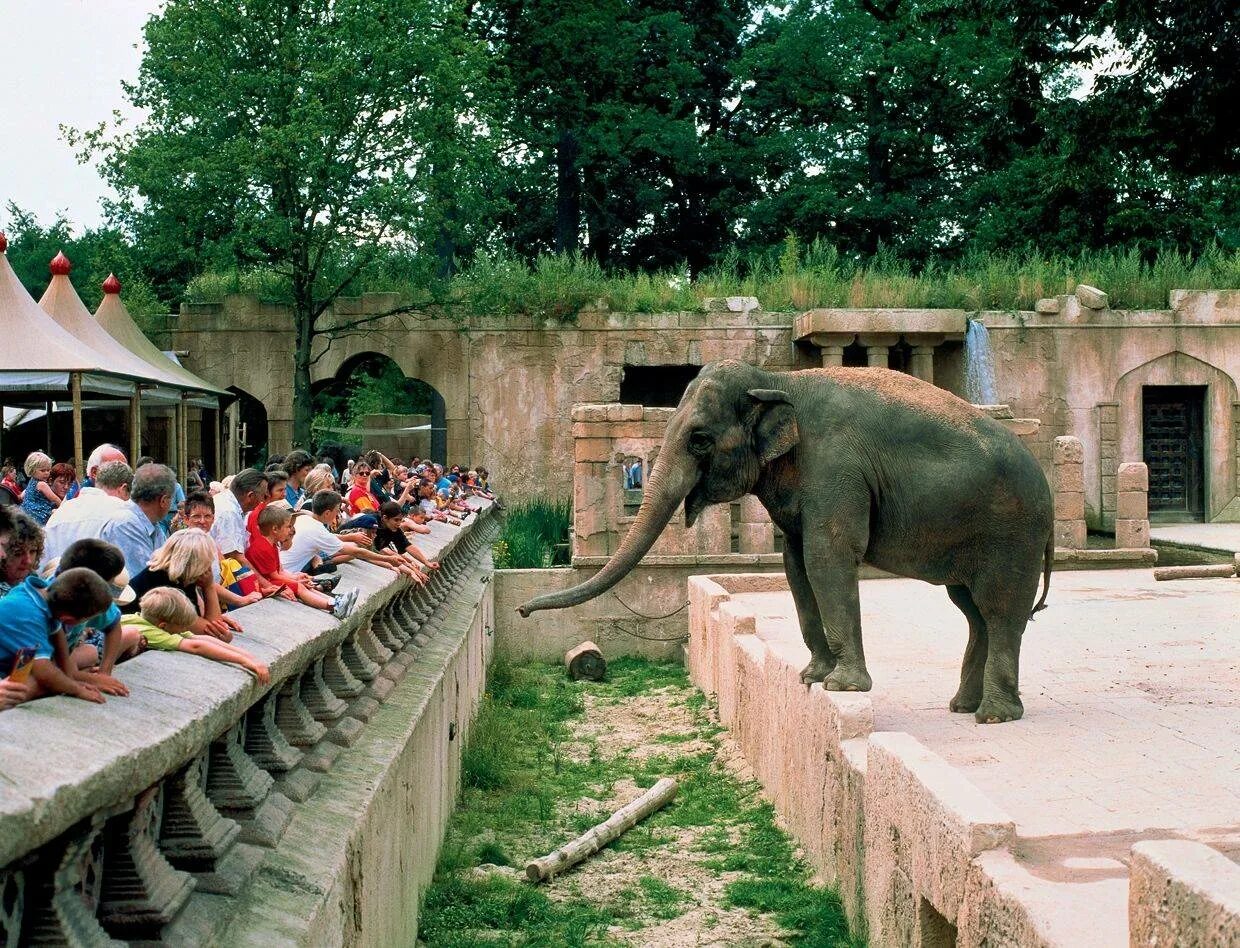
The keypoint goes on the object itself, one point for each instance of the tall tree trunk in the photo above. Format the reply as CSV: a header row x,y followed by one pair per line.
x,y
303,397
567,193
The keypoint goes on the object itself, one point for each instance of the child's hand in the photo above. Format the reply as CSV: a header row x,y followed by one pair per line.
x,y
107,684
251,598
286,593
231,623
87,692
261,672
432,564
13,693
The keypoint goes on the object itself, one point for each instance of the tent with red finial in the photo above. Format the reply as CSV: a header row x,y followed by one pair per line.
x,y
61,301
114,318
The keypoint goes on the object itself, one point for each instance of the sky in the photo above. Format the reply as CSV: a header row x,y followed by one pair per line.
x,y
61,62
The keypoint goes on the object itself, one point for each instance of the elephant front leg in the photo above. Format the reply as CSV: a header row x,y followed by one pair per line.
x,y
833,576
821,658
969,694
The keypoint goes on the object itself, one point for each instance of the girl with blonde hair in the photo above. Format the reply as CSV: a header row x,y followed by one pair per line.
x,y
185,562
38,499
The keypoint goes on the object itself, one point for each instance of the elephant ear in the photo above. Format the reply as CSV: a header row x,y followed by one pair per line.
x,y
775,432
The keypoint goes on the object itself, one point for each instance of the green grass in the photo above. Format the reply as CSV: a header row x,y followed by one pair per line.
x,y
788,278
521,785
534,535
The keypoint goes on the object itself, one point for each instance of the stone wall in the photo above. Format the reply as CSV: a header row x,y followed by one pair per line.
x,y
509,385
206,809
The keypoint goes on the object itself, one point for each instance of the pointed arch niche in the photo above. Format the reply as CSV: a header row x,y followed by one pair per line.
x,y
1221,418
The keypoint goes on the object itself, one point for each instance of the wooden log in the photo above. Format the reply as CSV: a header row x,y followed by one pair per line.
x,y
1164,573
590,842
585,661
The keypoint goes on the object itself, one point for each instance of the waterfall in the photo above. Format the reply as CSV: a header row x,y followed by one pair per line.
x,y
979,366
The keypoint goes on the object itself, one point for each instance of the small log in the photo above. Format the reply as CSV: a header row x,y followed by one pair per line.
x,y
590,842
1204,571
585,661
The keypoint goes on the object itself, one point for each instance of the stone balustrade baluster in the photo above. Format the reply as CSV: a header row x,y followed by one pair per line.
x,y
62,890
194,835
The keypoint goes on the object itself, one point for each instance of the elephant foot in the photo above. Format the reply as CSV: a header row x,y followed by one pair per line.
x,y
965,702
817,670
848,679
999,710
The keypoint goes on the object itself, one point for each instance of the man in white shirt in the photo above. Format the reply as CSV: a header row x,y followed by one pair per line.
x,y
85,515
312,537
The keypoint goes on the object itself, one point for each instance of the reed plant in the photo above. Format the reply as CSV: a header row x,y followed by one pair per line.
x,y
534,535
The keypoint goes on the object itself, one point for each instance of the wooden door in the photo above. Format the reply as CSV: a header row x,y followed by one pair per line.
x,y
1174,439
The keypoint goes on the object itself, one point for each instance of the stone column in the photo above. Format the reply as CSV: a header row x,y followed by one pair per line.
x,y
922,363
876,346
755,532
1108,458
832,355
1132,512
831,346
1068,458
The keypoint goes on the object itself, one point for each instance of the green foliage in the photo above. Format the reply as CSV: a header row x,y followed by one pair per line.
x,y
534,535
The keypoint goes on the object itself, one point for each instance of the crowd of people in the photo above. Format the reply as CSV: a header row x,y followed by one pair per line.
x,y
97,570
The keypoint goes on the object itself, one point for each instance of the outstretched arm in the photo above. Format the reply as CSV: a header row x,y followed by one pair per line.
x,y
222,652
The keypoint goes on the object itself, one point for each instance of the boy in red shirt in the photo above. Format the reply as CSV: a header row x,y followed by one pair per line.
x,y
275,527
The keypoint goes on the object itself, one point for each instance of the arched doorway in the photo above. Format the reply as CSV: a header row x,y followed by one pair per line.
x,y
248,431
370,402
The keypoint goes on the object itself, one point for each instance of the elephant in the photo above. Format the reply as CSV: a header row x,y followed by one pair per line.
x,y
861,465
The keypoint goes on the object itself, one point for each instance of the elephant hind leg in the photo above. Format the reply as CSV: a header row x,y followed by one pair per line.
x,y
1004,604
972,669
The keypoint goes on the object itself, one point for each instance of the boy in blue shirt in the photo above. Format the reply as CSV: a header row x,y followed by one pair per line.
x,y
96,645
35,614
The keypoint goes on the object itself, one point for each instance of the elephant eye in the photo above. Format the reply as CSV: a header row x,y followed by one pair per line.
x,y
700,442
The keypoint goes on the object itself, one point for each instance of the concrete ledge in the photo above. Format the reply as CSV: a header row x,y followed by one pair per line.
x,y
1182,893
1104,559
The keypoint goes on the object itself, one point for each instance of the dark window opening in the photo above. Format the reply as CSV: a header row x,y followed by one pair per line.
x,y
656,386
854,356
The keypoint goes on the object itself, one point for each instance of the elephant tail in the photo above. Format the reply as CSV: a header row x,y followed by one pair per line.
x,y
1049,559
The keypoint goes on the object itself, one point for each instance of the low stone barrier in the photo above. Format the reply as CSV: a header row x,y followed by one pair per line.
x,y
161,815
919,855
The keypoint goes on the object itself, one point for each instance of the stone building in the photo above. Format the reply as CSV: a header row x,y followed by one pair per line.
x,y
1158,386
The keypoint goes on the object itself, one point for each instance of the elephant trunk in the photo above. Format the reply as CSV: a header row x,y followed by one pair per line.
x,y
674,475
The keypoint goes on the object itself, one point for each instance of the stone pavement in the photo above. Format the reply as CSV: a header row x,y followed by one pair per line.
x,y
1211,536
1131,732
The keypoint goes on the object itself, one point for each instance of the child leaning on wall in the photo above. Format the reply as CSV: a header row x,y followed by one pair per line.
x,y
164,620
34,615
275,532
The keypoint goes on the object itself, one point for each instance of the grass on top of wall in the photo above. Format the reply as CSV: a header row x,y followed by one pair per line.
x,y
558,287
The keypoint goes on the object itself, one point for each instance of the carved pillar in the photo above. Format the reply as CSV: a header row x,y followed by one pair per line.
x,y
194,836
387,631
337,677
1069,485
876,346
1132,513
62,894
318,698
141,891
12,903
357,661
922,363
832,355
294,718
234,781
265,742
374,649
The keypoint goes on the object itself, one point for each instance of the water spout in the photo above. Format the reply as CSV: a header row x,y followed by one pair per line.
x,y
979,365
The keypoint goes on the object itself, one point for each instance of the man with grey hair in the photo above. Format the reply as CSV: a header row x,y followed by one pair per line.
x,y
136,527
102,455
85,516
247,490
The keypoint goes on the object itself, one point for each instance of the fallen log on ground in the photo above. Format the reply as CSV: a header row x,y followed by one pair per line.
x,y
1223,570
590,842
585,661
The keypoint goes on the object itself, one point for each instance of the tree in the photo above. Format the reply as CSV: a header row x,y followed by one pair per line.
x,y
291,134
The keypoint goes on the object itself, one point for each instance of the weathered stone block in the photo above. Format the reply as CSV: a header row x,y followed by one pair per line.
x,y
1069,505
1047,306
1132,505
1068,450
1132,534
1091,297
1070,534
590,412
630,412
1108,412
592,449
1133,476
1069,478
1182,893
